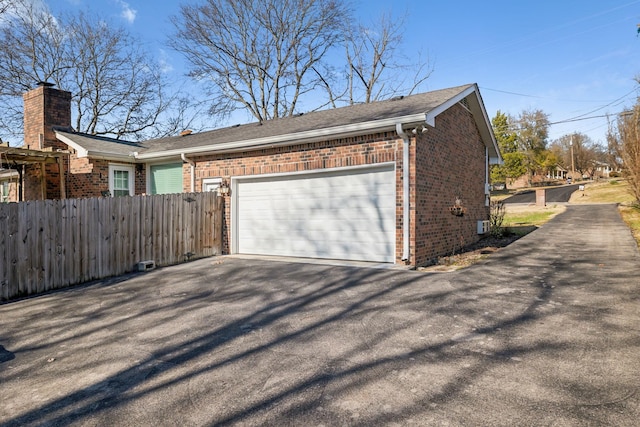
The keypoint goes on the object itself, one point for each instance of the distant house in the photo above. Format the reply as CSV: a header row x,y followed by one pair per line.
x,y
8,185
605,170
374,182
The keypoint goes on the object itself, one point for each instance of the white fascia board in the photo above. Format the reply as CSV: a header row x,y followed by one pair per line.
x,y
477,109
80,150
127,158
83,152
292,138
489,128
431,115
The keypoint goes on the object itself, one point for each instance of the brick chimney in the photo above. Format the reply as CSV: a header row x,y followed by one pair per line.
x,y
44,108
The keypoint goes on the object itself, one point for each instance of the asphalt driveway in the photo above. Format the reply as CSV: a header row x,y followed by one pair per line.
x,y
560,194
544,332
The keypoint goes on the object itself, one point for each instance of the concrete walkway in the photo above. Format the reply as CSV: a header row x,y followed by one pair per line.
x,y
544,332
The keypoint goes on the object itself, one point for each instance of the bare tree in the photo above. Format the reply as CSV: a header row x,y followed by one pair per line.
x,y
116,88
586,153
118,91
4,6
261,56
624,137
375,70
32,49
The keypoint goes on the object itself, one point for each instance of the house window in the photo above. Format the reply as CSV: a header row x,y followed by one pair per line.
x,y
165,178
121,180
211,184
4,191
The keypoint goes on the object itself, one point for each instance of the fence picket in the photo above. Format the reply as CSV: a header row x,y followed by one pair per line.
x,y
51,244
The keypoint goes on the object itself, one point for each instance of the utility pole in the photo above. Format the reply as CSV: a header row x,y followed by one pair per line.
x,y
573,166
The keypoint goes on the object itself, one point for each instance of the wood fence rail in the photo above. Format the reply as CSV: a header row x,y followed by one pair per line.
x,y
52,244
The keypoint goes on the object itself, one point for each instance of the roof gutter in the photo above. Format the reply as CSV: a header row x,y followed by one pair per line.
x,y
405,191
193,171
290,139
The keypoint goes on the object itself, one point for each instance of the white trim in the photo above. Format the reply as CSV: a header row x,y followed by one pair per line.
x,y
120,167
432,114
207,181
80,150
236,180
83,152
406,203
292,138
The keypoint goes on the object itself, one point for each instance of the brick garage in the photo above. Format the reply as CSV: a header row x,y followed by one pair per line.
x,y
355,152
446,163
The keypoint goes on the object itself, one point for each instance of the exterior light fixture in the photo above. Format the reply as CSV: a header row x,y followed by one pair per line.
x,y
224,189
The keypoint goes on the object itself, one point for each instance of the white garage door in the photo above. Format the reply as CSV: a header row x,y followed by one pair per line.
x,y
346,214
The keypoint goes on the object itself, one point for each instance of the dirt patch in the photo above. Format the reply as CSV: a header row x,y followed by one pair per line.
x,y
471,254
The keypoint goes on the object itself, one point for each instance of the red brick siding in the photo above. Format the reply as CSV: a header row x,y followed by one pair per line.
x,y
45,107
32,181
449,163
357,151
31,187
90,177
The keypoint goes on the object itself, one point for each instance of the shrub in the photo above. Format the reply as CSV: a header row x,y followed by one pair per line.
x,y
496,218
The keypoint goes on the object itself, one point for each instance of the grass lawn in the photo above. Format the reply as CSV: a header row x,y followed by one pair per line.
x,y
614,191
524,219
631,215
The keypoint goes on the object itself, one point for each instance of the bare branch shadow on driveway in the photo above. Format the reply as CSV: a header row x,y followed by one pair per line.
x,y
519,339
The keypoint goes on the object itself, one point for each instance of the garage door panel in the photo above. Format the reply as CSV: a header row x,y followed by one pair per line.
x,y
322,249
343,215
351,208
318,235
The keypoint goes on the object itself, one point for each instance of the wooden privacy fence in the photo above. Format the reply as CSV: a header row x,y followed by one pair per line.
x,y
52,244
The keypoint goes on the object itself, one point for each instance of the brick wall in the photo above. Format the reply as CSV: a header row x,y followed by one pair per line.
x,y
449,163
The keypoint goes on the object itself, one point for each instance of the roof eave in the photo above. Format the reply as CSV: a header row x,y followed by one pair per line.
x,y
101,155
306,137
480,115
80,150
128,158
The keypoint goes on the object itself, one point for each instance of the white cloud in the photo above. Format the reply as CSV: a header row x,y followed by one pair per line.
x,y
25,10
127,12
165,62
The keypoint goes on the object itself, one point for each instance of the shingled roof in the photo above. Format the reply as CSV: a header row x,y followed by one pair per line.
x,y
338,122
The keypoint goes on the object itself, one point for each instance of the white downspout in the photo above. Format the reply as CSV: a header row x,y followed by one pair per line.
x,y
193,171
405,191
486,177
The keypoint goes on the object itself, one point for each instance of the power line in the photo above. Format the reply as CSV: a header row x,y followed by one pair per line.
x,y
579,118
604,106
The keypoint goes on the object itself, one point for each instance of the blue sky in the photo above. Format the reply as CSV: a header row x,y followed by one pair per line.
x,y
571,59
